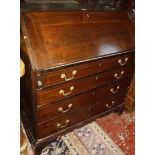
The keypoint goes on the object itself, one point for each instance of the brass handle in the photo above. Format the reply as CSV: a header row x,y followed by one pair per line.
x,y
40,83
99,64
65,94
63,76
109,106
87,15
118,76
62,126
121,62
64,111
114,91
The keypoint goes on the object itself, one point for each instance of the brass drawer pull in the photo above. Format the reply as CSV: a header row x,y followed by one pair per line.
x,y
121,62
87,15
65,94
99,64
109,106
97,77
64,111
118,76
114,91
63,126
63,76
40,84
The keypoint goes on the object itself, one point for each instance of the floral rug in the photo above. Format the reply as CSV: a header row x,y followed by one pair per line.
x,y
110,135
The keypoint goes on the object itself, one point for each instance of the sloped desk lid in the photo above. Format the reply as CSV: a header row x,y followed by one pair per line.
x,y
58,38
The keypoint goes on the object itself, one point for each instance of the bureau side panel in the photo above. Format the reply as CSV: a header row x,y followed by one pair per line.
x,y
27,92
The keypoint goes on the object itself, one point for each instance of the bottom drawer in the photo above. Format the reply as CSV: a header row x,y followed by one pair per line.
x,y
61,123
68,120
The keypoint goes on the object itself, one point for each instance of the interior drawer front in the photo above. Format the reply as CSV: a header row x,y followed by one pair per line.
x,y
61,123
71,73
82,85
57,109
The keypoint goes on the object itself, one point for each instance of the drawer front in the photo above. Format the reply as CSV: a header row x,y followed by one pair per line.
x,y
115,75
115,88
117,61
71,73
51,111
104,104
66,90
61,123
87,69
68,120
82,85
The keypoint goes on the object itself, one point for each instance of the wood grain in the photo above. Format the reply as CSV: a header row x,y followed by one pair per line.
x,y
66,37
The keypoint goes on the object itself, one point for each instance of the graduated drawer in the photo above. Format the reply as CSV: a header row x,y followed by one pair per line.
x,y
53,126
71,73
75,87
57,109
117,87
105,103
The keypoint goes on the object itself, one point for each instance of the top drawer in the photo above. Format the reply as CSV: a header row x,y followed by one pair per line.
x,y
71,73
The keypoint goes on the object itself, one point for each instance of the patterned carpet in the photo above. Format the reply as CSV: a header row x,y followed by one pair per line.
x,y
110,135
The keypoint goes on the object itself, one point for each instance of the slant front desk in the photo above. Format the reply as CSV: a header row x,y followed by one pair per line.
x,y
79,65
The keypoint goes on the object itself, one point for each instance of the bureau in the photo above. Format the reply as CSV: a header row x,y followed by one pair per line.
x,y
79,65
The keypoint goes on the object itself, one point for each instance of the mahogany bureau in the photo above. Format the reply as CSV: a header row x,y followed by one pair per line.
x,y
79,65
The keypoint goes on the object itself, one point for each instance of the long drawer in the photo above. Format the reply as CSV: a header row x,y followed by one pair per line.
x,y
74,87
50,127
53,110
71,73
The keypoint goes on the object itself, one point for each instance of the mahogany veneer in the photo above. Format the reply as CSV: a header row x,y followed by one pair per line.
x,y
78,63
